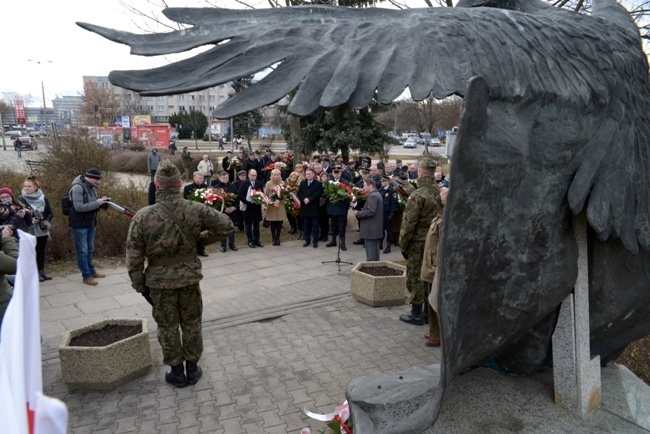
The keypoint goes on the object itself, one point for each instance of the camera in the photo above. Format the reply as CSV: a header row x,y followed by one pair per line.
x,y
41,221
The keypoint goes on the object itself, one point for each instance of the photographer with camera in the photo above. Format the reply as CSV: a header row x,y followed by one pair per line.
x,y
14,212
42,215
8,257
83,220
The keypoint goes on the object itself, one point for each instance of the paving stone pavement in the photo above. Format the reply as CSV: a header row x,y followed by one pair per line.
x,y
280,331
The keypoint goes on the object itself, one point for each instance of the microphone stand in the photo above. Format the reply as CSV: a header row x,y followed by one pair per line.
x,y
338,261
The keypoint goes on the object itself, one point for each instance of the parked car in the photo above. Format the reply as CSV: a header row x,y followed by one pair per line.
x,y
28,143
435,143
411,143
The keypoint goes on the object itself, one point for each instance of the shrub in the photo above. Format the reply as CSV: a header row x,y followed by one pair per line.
x,y
136,162
71,156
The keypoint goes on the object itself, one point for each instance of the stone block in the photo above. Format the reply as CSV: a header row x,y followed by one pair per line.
x,y
404,402
378,290
105,368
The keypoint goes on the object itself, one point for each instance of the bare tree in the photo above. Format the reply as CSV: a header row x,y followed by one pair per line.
x,y
99,105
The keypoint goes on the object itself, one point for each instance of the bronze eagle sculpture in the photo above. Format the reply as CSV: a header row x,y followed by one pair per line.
x,y
556,122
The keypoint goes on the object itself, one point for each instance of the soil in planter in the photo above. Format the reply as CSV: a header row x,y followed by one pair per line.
x,y
105,336
381,271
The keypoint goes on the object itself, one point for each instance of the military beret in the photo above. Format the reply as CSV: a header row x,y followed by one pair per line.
x,y
428,164
167,168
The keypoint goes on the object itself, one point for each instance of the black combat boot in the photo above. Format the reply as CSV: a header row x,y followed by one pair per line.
x,y
332,243
176,377
194,372
415,316
343,244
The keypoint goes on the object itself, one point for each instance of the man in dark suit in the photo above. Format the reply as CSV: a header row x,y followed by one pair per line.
x,y
338,212
225,164
252,212
197,182
309,192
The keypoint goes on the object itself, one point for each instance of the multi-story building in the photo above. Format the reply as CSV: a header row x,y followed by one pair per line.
x,y
160,108
67,110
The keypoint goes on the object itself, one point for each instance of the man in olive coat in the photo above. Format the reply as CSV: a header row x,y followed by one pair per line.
x,y
165,235
422,206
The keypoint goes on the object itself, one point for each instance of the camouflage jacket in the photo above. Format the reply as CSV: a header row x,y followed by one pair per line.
x,y
422,206
155,236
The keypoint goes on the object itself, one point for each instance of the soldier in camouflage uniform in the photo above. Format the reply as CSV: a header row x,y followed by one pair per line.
x,y
166,235
422,206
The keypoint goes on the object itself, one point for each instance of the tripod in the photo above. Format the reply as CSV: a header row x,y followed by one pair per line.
x,y
338,261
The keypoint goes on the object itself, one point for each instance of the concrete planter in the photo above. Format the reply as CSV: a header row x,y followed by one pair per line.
x,y
105,368
378,290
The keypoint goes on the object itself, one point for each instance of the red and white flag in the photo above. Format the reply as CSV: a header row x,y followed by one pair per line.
x,y
23,408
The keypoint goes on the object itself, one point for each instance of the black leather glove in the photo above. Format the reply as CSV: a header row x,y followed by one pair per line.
x,y
147,296
405,255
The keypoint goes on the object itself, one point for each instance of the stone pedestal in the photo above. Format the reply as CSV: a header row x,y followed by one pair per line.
x,y
378,290
105,368
405,402
576,375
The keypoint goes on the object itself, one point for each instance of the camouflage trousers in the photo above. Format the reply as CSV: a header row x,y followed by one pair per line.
x,y
414,283
175,311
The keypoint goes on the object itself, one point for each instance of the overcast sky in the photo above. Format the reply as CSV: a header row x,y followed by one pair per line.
x,y
45,31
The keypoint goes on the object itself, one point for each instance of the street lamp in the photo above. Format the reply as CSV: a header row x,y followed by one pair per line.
x,y
44,118
231,92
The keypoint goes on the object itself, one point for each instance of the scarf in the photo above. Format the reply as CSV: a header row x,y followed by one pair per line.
x,y
35,200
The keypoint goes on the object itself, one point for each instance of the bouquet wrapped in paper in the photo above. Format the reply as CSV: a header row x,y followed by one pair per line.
x,y
235,164
278,194
258,197
336,192
292,204
359,195
216,198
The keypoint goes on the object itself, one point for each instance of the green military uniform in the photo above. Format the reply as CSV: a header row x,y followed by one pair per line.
x,y
173,270
422,206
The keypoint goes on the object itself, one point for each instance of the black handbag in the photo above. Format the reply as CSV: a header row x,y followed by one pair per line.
x,y
266,224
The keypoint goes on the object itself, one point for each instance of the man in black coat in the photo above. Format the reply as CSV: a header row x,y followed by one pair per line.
x,y
197,182
309,192
389,196
230,210
252,212
226,165
338,212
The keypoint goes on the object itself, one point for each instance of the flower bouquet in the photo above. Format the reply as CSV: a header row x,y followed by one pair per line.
x,y
359,195
401,202
258,197
413,182
269,167
338,421
336,192
292,206
216,198
278,193
235,164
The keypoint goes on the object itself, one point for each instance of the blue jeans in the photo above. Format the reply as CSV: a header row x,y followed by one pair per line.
x,y
84,239
20,152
